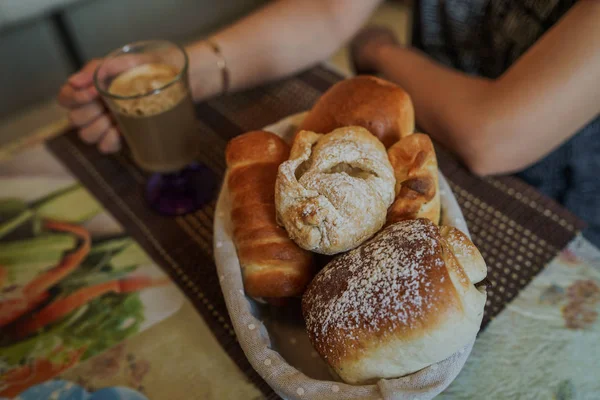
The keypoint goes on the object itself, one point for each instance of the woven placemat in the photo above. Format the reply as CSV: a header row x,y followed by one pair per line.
x,y
517,229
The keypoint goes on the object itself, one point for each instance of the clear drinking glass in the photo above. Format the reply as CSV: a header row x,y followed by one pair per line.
x,y
146,86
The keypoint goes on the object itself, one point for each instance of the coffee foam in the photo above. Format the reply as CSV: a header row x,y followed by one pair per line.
x,y
143,80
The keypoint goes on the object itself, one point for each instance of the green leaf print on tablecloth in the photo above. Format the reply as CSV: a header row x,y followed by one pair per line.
x,y
546,343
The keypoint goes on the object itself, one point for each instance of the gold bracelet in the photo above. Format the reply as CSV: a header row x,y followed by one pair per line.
x,y
221,63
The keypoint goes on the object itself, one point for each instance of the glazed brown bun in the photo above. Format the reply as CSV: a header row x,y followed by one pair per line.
x,y
273,266
416,172
381,107
398,303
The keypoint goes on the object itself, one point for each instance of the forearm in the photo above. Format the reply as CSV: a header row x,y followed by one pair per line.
x,y
504,125
280,39
446,102
552,91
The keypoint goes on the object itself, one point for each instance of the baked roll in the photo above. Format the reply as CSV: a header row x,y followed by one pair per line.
x,y
398,303
381,107
416,172
273,266
334,191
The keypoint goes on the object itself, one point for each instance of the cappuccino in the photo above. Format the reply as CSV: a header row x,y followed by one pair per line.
x,y
156,116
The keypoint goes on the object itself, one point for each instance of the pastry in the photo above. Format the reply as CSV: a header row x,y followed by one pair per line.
x,y
399,303
334,191
381,107
416,172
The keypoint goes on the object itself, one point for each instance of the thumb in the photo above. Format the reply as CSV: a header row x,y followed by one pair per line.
x,y
85,77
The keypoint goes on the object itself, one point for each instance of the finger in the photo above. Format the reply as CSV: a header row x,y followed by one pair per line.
x,y
85,77
83,115
65,95
110,142
94,131
70,97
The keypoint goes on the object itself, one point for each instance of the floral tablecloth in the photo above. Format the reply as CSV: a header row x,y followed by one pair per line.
x,y
172,354
546,343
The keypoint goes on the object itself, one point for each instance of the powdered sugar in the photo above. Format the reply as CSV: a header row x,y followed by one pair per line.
x,y
378,287
461,247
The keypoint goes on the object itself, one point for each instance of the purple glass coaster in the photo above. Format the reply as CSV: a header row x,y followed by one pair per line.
x,y
181,192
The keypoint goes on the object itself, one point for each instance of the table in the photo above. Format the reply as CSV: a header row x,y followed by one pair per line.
x,y
541,336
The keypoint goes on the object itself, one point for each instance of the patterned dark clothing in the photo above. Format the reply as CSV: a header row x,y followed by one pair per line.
x,y
484,37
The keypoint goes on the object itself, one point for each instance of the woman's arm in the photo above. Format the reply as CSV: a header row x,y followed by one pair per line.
x,y
505,125
280,39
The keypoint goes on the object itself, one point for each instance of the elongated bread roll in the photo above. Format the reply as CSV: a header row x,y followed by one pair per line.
x,y
273,266
416,172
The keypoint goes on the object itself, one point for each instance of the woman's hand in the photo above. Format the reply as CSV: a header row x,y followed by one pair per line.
x,y
365,45
87,112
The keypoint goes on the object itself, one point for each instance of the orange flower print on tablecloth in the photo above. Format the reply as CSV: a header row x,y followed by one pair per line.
x,y
578,315
580,312
586,291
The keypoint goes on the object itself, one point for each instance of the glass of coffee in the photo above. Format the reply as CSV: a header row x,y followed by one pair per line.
x,y
145,85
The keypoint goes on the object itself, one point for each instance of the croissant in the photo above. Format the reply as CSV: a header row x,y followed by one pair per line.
x,y
416,172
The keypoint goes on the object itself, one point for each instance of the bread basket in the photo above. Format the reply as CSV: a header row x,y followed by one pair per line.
x,y
274,338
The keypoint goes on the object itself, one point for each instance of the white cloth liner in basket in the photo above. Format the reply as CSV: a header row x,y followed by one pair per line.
x,y
275,341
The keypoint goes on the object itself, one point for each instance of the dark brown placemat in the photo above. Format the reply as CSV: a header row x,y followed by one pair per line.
x,y
517,229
